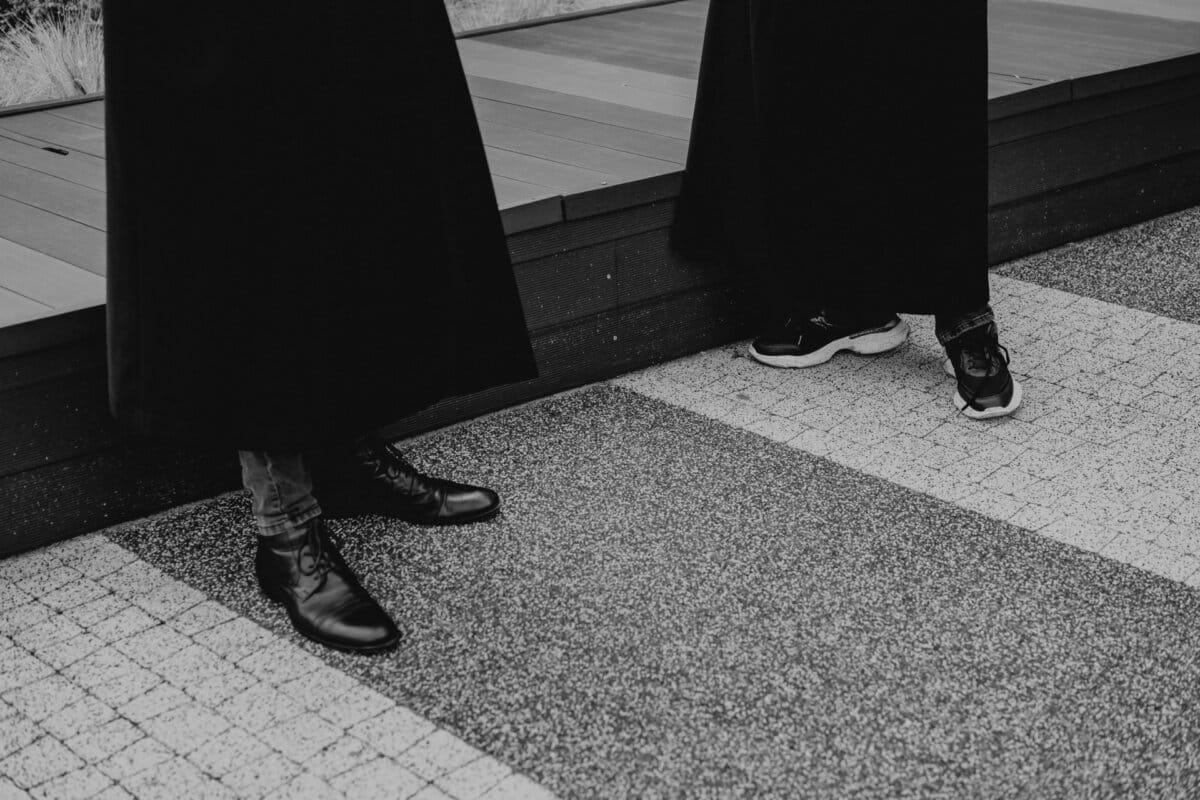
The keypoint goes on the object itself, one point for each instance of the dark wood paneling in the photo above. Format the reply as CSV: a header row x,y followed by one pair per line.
x,y
568,286
1089,209
602,347
32,337
27,369
1029,167
1062,116
54,420
647,269
593,230
44,505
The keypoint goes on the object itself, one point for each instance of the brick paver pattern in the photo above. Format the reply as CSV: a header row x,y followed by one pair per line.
x,y
1104,454
119,681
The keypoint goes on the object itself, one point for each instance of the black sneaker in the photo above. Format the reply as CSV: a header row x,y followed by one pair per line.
x,y
979,362
813,341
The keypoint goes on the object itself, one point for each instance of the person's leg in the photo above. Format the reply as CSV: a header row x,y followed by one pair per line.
x,y
949,325
370,476
979,363
280,487
298,564
811,338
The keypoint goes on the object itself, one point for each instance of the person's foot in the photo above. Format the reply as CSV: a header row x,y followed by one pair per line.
x,y
808,342
377,480
979,362
304,571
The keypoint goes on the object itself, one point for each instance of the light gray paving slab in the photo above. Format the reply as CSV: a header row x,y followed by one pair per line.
x,y
173,779
380,779
120,681
82,784
38,762
355,706
223,754
104,741
84,715
1103,437
261,777
40,699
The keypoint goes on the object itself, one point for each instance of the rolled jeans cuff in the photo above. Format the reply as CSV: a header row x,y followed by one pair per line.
x,y
950,326
281,487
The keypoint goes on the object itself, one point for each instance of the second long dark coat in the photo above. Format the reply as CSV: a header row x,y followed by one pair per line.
x,y
303,236
839,152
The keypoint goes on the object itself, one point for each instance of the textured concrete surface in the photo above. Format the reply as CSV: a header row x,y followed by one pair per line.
x,y
1153,267
672,607
820,584
1104,453
119,681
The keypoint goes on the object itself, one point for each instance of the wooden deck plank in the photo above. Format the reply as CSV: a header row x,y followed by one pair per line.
x,y
90,112
624,77
561,178
55,236
52,194
577,154
507,65
15,308
1001,85
82,168
1053,41
651,145
524,206
640,39
615,114
1185,10
47,280
57,131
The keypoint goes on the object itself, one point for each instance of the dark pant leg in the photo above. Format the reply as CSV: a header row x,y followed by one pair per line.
x,y
950,325
282,489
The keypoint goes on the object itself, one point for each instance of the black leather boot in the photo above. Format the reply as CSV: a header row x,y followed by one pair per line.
x,y
375,479
304,571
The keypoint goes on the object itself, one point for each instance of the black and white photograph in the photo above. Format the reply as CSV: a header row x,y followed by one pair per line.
x,y
555,399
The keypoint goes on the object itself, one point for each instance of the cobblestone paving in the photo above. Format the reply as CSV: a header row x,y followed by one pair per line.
x,y
119,681
1104,454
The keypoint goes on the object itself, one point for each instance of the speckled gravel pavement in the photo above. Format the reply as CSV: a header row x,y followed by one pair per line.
x,y
710,579
1154,267
672,607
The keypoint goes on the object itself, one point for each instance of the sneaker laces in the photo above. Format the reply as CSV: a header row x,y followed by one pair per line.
x,y
981,358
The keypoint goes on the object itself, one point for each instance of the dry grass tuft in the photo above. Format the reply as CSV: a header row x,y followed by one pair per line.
x,y
48,60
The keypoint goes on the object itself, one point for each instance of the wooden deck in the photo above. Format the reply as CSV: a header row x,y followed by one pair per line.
x,y
1094,109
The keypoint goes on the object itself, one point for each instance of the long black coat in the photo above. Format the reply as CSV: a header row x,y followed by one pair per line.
x,y
303,236
839,152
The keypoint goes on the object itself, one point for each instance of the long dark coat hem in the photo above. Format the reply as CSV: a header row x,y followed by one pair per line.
x,y
839,154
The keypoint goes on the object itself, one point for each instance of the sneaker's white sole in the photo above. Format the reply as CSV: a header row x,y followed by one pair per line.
x,y
865,344
987,413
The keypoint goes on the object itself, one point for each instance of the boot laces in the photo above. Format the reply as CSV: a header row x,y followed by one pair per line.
x,y
321,561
